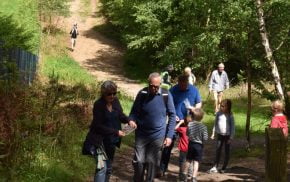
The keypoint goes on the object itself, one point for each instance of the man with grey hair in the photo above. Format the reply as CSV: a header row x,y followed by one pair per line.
x,y
150,110
218,82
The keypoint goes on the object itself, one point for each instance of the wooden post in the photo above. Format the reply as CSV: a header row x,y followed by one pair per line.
x,y
276,155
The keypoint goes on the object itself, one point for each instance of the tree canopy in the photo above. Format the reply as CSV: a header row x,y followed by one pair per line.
x,y
201,34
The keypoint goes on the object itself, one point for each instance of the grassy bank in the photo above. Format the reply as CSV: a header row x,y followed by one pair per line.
x,y
260,109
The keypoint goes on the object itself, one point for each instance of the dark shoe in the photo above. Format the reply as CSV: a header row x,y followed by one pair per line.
x,y
182,177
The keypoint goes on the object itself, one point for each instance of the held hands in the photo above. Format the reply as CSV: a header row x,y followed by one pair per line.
x,y
178,124
132,124
212,136
167,142
121,133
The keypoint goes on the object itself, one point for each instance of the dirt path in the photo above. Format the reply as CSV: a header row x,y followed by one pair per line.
x,y
240,169
101,56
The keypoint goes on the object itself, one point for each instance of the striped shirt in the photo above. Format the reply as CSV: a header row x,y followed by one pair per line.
x,y
197,132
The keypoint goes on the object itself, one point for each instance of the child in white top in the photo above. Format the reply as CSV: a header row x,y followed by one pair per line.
x,y
224,127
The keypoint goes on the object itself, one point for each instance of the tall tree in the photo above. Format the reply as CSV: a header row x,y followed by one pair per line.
x,y
268,50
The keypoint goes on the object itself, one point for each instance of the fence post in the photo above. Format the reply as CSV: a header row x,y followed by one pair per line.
x,y
276,155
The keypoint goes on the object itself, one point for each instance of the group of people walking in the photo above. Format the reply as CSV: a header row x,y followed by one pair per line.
x,y
160,116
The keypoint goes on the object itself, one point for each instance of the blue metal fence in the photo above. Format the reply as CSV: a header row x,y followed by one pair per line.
x,y
26,63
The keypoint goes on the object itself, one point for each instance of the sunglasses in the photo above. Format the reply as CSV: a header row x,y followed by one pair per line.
x,y
154,86
111,94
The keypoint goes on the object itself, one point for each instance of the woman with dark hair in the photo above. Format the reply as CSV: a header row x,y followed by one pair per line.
x,y
105,129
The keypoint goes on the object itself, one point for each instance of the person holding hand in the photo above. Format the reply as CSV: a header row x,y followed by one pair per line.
x,y
150,110
105,131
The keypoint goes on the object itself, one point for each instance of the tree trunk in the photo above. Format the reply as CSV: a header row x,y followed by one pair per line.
x,y
249,109
268,50
249,85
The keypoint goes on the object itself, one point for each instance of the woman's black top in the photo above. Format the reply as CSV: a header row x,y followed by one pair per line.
x,y
106,125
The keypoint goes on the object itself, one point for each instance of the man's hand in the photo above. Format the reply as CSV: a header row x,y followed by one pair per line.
x,y
132,124
212,136
121,133
167,142
177,118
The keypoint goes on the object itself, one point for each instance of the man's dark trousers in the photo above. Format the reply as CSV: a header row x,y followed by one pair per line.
x,y
146,151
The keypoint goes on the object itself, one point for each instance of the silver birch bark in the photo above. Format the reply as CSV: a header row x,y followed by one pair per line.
x,y
268,50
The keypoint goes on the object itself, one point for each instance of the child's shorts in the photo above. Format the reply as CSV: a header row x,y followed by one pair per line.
x,y
194,151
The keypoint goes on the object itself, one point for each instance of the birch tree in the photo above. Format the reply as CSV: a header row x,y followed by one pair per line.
x,y
268,50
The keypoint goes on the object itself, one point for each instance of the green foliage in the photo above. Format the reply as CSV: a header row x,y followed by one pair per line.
x,y
52,8
51,11
43,144
12,35
200,34
261,112
19,24
66,69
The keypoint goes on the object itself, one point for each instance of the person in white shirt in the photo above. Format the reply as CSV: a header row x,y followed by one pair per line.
x,y
191,77
218,82
224,130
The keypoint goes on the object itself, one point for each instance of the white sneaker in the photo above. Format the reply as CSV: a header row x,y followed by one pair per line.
x,y
213,170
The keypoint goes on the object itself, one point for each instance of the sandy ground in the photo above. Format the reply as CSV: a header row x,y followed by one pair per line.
x,y
101,56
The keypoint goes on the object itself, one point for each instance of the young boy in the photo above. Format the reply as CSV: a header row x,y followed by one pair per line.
x,y
197,134
181,129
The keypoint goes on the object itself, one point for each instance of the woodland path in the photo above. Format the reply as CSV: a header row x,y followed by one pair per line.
x,y
102,57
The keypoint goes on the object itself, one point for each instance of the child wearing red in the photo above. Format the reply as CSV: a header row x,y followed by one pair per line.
x,y
181,129
279,120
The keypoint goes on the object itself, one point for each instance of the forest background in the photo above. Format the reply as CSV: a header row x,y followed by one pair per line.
x,y
38,123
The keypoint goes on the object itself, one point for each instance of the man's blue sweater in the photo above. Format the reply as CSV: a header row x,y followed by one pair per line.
x,y
179,96
150,113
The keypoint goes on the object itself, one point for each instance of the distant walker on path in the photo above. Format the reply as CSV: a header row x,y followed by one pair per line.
x,y
73,34
219,82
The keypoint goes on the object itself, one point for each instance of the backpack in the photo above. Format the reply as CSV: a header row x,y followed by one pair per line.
x,y
73,33
164,93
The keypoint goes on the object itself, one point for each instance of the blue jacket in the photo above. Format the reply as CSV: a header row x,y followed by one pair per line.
x,y
191,94
150,113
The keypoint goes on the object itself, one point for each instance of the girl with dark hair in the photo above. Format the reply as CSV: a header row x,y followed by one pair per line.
x,y
224,128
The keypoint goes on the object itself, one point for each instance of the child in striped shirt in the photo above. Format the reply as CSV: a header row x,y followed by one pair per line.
x,y
197,134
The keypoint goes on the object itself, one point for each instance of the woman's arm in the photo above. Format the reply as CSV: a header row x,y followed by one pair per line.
x,y
123,118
